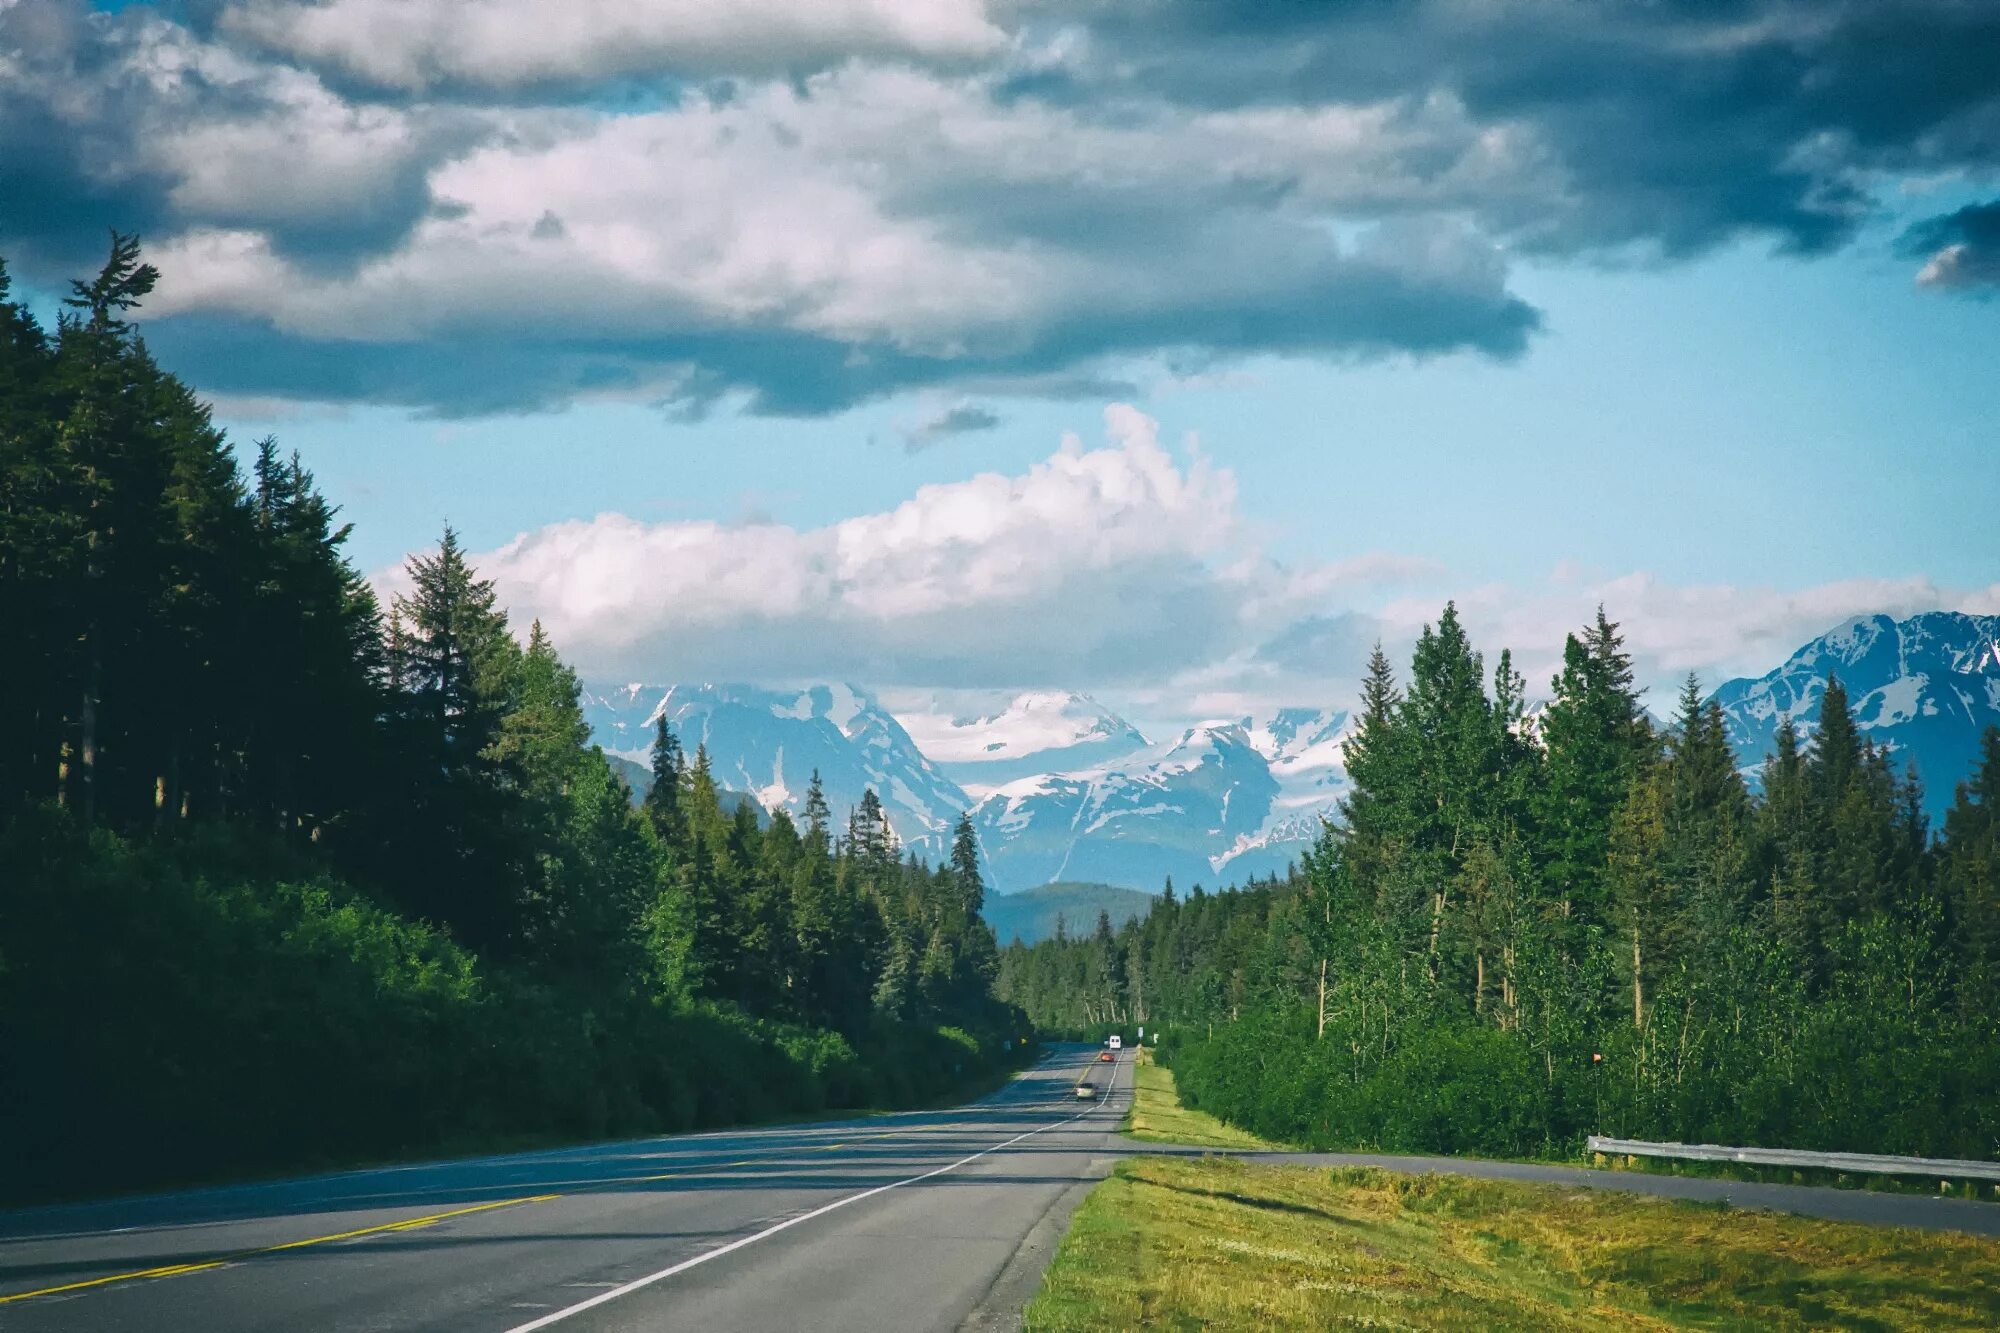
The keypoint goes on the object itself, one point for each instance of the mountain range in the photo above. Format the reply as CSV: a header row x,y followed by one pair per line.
x,y
1061,788
1926,688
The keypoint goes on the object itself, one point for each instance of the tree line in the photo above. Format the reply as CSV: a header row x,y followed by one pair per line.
x,y
1525,929
291,875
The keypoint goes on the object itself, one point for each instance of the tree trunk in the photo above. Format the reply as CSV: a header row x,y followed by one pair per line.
x,y
88,719
1322,1001
1638,990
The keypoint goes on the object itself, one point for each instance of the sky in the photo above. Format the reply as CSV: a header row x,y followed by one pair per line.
x,y
1168,351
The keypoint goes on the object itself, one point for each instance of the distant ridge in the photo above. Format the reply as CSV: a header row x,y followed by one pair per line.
x,y
1926,687
1032,914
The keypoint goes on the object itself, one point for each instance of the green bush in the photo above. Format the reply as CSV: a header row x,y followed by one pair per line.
x,y
215,1006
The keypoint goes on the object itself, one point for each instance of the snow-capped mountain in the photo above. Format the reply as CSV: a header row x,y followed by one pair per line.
x,y
1062,788
1166,812
767,743
1303,747
1044,731
1219,804
1927,687
1059,786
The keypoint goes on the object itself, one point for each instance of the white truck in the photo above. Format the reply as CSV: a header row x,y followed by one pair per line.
x,y
1115,1042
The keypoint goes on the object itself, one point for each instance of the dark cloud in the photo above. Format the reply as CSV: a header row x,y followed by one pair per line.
x,y
127,121
1962,248
960,419
1329,645
1344,309
1101,188
1676,124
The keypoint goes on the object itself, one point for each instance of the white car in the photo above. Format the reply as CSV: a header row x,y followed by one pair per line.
x,y
1116,1042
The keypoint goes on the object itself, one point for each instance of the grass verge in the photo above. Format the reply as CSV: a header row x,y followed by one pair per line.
x,y
1211,1243
1157,1115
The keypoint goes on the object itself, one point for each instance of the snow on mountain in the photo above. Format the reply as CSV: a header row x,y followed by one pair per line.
x,y
1220,803
1926,687
767,743
1303,748
1062,788
1044,731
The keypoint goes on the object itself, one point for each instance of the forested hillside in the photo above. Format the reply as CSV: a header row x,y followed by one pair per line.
x,y
289,876
1519,935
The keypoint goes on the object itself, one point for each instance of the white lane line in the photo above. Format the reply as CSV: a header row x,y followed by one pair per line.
x,y
716,1253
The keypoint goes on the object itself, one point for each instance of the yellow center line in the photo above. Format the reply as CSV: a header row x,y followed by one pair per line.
x,y
177,1270
412,1224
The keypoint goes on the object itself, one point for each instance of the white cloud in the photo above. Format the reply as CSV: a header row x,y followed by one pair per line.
x,y
417,45
855,209
1120,569
1109,564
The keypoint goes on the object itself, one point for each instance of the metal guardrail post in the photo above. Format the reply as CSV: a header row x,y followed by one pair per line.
x,y
1866,1164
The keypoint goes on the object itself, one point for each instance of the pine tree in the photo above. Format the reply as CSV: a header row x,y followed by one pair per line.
x,y
663,798
970,888
466,863
1596,738
1376,809
104,484
1969,871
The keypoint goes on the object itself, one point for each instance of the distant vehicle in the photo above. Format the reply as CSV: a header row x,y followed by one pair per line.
x,y
1106,1057
1086,1090
1115,1042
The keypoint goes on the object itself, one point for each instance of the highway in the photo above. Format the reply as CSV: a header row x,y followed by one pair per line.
x,y
923,1220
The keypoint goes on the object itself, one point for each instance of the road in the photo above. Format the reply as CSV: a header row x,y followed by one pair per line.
x,y
927,1220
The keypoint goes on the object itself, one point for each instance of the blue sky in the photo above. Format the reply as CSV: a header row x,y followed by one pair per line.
x,y
673,315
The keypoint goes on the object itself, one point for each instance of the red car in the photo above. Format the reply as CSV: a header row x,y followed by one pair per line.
x,y
1105,1057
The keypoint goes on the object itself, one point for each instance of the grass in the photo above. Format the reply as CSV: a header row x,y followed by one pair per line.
x,y
1157,1115
1178,1243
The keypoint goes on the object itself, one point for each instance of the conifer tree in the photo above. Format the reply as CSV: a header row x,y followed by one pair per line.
x,y
1969,870
460,669
663,798
1596,739
970,889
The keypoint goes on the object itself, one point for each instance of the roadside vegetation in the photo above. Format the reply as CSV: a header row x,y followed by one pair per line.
x,y
1525,931
1211,1243
292,878
1157,1115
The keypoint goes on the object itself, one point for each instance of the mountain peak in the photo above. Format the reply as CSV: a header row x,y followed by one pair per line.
x,y
1924,687
1038,731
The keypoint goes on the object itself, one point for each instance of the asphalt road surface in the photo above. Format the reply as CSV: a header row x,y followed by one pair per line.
x,y
926,1220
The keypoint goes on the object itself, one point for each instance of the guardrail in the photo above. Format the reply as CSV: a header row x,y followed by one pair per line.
x,y
1864,1164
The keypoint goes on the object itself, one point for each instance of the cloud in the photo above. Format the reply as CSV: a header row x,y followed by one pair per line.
x,y
479,206
804,249
1111,564
415,46
1717,631
957,419
1961,250
1120,568
1672,126
133,122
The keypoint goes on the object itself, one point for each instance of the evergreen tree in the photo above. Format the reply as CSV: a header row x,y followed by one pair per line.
x,y
1596,739
969,889
460,670
1969,871
663,798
